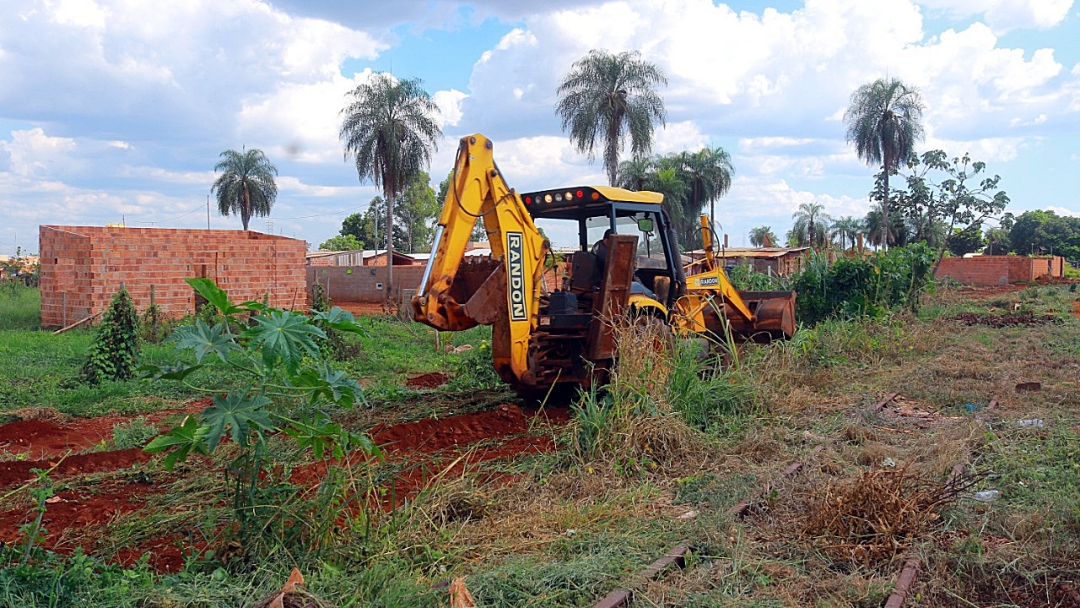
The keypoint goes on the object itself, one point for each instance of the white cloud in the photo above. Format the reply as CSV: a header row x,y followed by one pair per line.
x,y
33,152
1063,211
449,103
80,13
1003,15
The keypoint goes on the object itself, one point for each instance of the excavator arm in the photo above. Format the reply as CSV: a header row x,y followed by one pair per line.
x,y
459,292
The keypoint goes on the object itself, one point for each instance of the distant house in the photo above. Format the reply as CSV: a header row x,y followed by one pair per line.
x,y
358,257
775,261
12,266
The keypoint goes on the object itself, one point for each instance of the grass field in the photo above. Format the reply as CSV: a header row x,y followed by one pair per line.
x,y
560,513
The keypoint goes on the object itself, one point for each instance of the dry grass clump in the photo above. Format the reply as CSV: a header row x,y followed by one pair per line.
x,y
876,517
631,422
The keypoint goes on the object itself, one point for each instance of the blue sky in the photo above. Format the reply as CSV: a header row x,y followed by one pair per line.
x,y
117,110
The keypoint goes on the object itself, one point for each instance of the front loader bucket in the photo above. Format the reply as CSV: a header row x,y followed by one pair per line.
x,y
774,316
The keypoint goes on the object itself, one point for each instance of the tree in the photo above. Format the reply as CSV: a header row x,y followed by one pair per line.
x,y
634,174
415,212
946,199
709,173
609,97
810,225
966,240
846,229
884,124
758,237
347,242
390,131
1045,232
899,232
246,185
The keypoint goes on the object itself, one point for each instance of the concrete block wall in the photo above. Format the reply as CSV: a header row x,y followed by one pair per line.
x,y
82,266
989,270
360,283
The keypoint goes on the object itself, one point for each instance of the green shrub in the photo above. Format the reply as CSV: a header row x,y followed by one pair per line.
x,y
115,350
870,287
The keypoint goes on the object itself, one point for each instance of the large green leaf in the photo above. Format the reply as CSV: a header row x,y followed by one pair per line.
x,y
339,319
285,336
180,441
214,295
319,433
326,382
167,372
205,340
237,412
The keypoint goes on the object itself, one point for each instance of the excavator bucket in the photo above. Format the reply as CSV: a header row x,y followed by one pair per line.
x,y
774,316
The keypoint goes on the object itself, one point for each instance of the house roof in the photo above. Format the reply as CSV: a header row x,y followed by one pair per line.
x,y
752,252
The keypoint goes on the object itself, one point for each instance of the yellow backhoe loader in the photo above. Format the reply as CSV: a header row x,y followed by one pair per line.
x,y
544,335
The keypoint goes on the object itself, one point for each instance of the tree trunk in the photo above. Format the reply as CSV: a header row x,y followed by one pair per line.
x,y
390,197
611,154
245,209
885,200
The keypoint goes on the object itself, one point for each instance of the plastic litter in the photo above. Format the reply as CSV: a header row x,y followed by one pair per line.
x,y
987,495
1033,422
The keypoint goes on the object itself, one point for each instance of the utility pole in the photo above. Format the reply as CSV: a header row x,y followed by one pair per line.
x,y
207,211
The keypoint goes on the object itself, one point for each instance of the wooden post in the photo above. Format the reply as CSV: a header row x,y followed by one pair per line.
x,y
63,311
152,300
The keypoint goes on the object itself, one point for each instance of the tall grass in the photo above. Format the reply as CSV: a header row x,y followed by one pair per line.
x,y
20,307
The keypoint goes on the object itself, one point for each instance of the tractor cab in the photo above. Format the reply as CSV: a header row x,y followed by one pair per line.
x,y
601,213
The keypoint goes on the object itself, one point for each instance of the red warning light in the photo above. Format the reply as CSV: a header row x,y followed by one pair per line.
x,y
528,200
579,193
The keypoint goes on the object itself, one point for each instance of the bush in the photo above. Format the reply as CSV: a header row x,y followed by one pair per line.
x,y
115,350
853,287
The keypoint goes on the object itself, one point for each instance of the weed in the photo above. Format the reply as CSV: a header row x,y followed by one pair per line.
x,y
132,434
280,355
153,327
115,350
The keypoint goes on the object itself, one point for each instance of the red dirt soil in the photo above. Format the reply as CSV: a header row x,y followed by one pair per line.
x,y
434,380
77,516
41,438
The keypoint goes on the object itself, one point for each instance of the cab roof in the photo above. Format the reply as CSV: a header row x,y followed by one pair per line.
x,y
575,202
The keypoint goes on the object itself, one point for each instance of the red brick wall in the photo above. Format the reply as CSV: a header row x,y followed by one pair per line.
x,y
82,266
997,269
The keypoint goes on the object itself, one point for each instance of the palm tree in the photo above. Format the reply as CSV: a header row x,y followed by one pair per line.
x,y
898,233
634,174
762,234
709,171
810,225
671,182
883,123
389,129
608,97
847,229
246,185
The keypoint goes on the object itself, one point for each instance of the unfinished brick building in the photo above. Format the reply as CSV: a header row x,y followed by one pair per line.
x,y
990,270
82,266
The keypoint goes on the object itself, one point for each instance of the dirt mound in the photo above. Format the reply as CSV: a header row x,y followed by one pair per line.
x,y
433,434
433,380
1009,319
77,517
81,510
41,437
14,472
